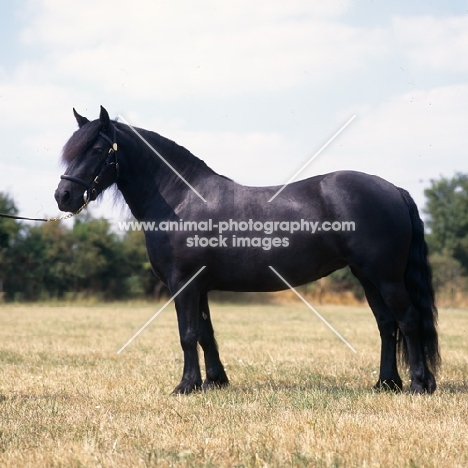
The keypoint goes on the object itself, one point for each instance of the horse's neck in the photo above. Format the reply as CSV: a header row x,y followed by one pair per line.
x,y
156,180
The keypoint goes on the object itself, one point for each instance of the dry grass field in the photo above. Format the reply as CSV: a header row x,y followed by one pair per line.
x,y
298,396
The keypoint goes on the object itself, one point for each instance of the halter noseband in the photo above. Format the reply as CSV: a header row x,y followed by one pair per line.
x,y
111,160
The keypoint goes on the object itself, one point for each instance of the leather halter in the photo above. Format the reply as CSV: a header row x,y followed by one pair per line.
x,y
111,160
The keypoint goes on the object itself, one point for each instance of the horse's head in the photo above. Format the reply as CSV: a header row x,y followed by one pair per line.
x,y
90,156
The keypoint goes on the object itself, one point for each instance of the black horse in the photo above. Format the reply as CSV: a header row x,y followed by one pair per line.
x,y
238,232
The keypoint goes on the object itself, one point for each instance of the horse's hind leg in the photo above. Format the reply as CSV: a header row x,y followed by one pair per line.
x,y
389,379
409,320
215,374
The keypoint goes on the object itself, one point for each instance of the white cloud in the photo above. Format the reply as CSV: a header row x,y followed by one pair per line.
x,y
147,52
54,22
24,102
435,43
410,139
165,51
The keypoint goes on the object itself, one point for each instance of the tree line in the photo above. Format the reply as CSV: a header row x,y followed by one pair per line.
x,y
51,260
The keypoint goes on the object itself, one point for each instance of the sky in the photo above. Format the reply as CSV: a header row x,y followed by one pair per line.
x,y
254,89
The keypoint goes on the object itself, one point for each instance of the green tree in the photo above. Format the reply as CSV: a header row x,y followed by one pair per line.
x,y
50,260
447,210
141,280
41,262
9,229
447,273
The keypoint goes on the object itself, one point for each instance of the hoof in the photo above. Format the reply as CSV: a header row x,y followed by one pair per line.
x,y
394,385
184,388
214,384
428,385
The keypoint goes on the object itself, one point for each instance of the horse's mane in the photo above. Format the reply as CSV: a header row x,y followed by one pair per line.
x,y
80,141
175,150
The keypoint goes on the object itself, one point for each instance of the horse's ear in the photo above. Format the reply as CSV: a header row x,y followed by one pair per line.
x,y
80,119
104,118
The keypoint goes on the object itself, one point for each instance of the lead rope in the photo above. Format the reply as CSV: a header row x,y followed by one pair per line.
x,y
46,220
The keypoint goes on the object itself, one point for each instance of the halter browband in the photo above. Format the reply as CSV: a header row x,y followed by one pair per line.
x,y
91,193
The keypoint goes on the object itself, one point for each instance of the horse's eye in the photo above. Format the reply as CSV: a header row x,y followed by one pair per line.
x,y
98,151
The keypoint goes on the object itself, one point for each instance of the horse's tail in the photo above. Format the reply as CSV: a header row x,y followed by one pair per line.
x,y
418,281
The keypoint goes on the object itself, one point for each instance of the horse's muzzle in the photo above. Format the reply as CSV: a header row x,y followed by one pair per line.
x,y
68,198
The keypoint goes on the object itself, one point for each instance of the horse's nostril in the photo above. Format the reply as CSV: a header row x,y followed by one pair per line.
x,y
62,197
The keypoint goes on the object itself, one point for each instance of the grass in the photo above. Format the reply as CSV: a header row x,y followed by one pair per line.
x,y
298,396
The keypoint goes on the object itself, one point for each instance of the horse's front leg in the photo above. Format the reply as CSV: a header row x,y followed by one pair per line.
x,y
187,304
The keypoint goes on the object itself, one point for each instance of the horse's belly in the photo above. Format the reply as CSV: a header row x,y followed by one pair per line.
x,y
272,270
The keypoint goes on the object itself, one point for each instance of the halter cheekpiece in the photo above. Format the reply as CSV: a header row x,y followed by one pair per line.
x,y
111,160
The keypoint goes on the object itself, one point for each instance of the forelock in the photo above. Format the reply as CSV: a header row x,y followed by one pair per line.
x,y
80,141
